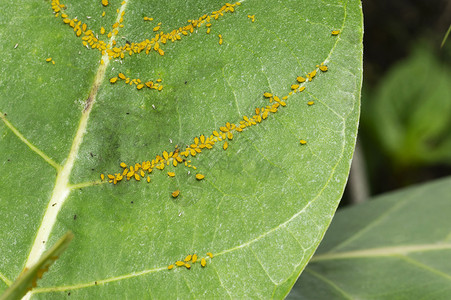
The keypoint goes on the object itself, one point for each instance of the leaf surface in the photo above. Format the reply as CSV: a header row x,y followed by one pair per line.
x,y
396,246
265,201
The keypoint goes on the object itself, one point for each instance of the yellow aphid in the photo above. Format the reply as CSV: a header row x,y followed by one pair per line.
x,y
123,165
170,267
171,174
323,68
203,262
148,179
194,258
103,14
210,254
105,2
335,32
303,142
188,266
188,258
302,88
48,59
310,103
225,146
121,76
312,74
208,30
140,86
102,177
300,79
267,95
229,135
200,176
102,30
294,86
110,176
175,194
179,263
156,28
113,80
137,177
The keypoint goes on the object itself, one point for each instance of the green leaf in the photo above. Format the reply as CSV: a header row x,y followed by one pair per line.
x,y
264,203
28,279
411,122
397,246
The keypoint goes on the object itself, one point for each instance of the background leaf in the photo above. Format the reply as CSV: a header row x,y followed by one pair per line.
x,y
265,202
411,122
395,246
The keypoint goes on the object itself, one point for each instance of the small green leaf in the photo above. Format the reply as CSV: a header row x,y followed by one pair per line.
x,y
410,121
397,246
28,278
265,200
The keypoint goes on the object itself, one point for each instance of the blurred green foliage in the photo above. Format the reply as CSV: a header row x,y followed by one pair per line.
x,y
408,115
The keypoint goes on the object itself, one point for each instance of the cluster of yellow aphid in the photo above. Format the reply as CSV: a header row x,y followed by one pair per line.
x,y
224,134
139,84
189,260
141,170
252,17
90,40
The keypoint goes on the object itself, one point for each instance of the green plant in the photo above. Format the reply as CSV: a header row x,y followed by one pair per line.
x,y
266,199
396,246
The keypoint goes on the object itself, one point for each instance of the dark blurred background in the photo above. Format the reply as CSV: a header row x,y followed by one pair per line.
x,y
405,128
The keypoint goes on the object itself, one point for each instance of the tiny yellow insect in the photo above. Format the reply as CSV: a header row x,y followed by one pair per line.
x,y
210,254
267,95
102,177
105,2
188,266
200,176
113,80
175,194
170,267
300,79
194,258
310,103
303,142
323,68
335,32
171,174
225,146
48,59
203,262
179,263
188,257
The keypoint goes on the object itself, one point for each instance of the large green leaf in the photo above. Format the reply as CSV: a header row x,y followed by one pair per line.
x,y
264,203
397,246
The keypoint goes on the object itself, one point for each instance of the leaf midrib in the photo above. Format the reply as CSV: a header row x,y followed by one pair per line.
x,y
62,187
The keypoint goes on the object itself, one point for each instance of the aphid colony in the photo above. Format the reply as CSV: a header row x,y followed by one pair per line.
x,y
191,259
224,134
91,40
139,84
